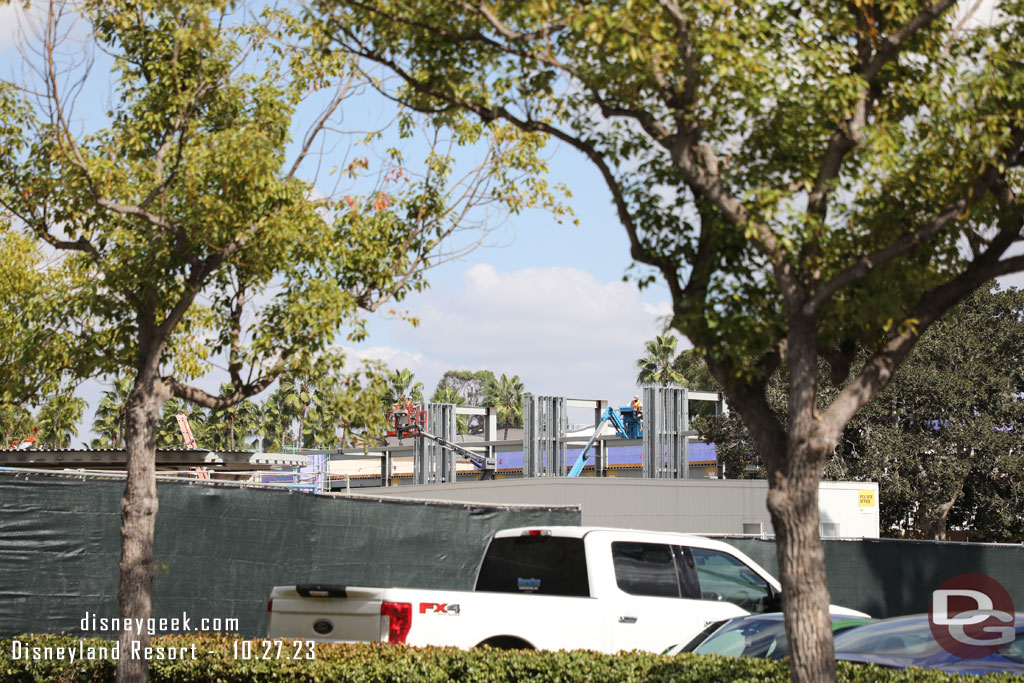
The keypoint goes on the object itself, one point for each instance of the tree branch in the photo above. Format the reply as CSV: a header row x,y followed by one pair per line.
x,y
989,180
850,133
878,371
505,32
242,392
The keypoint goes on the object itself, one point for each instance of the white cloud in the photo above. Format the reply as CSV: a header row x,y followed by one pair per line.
x,y
10,20
560,329
660,309
394,358
18,23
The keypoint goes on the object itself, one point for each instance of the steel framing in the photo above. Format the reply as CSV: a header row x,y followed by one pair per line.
x,y
433,464
545,422
666,423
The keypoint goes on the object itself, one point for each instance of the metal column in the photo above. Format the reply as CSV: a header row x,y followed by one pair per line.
x,y
545,422
431,463
666,422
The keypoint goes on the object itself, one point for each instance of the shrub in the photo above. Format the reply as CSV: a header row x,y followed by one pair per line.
x,y
209,657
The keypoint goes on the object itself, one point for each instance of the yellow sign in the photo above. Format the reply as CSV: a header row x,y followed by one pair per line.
x,y
867,498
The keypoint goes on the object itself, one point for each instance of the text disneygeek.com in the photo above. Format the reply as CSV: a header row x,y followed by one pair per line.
x,y
183,624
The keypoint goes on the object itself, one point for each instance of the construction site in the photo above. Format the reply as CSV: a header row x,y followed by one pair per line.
x,y
417,510
638,465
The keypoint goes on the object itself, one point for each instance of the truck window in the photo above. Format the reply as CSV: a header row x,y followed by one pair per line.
x,y
544,565
645,569
724,577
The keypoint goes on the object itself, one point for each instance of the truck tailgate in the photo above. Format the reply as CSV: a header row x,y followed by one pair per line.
x,y
327,613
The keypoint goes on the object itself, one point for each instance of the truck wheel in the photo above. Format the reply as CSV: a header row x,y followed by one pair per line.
x,y
506,643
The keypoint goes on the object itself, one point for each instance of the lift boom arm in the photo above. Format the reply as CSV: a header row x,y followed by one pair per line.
x,y
609,415
479,461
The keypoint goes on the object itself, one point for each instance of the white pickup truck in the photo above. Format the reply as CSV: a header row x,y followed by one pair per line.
x,y
548,588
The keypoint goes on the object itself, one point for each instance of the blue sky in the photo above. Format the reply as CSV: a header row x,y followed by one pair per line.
x,y
549,304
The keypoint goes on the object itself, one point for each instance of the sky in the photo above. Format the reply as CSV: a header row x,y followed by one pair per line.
x,y
549,304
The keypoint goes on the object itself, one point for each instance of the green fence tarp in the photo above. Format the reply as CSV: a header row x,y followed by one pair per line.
x,y
220,549
891,577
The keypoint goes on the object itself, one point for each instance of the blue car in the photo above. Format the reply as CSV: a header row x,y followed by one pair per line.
x,y
901,642
756,635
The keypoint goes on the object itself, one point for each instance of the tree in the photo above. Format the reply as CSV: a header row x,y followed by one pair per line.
x,y
944,439
448,394
16,422
659,365
694,371
471,386
58,419
168,431
803,176
343,407
111,414
34,334
187,232
506,394
275,420
227,428
299,395
402,388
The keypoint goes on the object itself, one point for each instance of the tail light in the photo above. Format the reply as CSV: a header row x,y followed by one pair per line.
x,y
270,605
399,616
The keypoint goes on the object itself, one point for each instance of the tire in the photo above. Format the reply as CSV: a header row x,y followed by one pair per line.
x,y
506,643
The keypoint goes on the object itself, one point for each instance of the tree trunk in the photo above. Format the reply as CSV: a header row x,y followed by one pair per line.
x,y
935,525
793,504
138,518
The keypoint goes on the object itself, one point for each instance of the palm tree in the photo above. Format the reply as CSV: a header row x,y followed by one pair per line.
x,y
402,389
15,423
58,419
299,396
506,394
449,394
227,426
275,419
658,366
323,422
168,433
109,420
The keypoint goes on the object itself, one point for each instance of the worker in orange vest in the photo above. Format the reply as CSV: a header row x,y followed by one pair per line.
x,y
637,406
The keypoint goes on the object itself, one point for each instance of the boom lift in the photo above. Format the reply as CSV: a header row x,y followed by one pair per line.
x,y
626,429
407,422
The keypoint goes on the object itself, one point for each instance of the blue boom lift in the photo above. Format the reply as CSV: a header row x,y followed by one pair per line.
x,y
627,425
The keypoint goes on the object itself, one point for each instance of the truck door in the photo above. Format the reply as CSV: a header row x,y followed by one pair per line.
x,y
726,578
659,603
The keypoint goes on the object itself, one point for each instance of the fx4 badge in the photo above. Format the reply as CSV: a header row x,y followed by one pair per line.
x,y
439,608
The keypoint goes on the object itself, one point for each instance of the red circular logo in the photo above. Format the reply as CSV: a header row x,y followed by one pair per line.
x,y
972,616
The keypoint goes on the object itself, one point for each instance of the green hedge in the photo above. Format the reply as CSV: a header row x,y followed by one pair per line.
x,y
222,658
